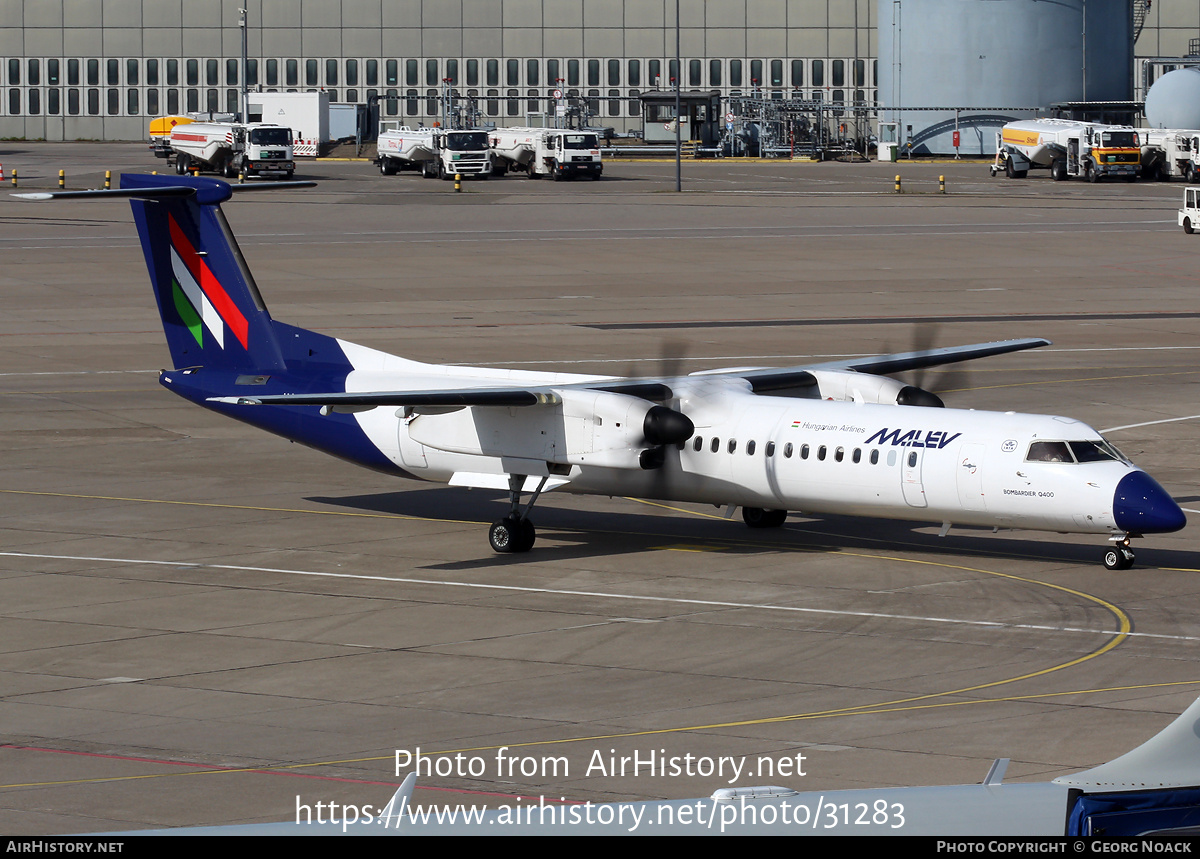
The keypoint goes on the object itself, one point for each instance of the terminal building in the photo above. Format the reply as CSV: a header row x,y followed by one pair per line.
x,y
102,69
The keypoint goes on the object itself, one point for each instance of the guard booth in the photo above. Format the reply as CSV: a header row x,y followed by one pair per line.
x,y
701,117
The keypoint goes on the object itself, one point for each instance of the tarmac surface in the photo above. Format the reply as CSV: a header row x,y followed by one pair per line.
x,y
204,624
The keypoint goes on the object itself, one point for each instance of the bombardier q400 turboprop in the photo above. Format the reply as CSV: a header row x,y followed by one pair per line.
x,y
837,437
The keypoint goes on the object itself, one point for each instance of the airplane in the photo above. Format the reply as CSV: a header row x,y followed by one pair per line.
x,y
840,437
1152,790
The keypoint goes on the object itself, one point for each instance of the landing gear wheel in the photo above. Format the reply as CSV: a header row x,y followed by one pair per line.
x,y
526,535
756,517
511,535
1118,558
503,535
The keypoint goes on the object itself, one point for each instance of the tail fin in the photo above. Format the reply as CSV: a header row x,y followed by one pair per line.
x,y
211,309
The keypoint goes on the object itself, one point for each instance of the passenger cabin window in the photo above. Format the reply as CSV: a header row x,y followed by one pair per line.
x,y
787,450
732,445
874,457
857,455
698,444
804,451
750,448
839,454
770,448
716,444
821,453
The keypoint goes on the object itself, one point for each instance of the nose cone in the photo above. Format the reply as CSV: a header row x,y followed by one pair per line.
x,y
1141,506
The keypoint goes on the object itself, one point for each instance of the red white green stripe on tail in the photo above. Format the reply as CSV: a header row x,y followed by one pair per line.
x,y
199,298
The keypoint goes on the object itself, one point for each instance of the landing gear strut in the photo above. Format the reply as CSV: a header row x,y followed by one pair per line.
x,y
515,533
1119,557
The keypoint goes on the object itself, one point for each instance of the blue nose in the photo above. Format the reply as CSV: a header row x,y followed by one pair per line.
x,y
1141,506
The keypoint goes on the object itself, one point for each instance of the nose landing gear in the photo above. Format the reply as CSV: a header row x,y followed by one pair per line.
x,y
1120,556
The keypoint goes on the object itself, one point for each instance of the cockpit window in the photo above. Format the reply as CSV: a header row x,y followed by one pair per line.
x,y
1049,451
1095,451
1091,450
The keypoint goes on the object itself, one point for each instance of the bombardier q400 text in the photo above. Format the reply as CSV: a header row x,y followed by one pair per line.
x,y
836,437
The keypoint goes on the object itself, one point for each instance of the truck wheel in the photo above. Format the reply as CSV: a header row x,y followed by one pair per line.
x,y
1008,168
385,167
1187,226
181,164
1093,175
229,170
1058,170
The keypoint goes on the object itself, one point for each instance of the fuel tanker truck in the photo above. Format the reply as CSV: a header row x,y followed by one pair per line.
x,y
1068,148
434,151
554,152
230,148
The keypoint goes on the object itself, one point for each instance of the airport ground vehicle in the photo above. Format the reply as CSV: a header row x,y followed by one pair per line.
x,y
230,148
1068,148
434,151
1189,215
555,152
1171,153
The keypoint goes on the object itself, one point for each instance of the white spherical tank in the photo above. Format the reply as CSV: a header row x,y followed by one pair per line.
x,y
973,54
1174,100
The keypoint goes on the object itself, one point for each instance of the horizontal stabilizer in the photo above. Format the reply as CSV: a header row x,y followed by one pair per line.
x,y
153,193
458,397
140,193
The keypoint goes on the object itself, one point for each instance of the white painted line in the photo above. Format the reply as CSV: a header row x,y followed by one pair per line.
x,y
1151,423
600,595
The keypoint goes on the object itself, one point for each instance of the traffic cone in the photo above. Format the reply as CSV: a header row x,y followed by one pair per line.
x,y
1,172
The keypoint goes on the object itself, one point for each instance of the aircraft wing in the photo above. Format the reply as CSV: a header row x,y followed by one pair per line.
x,y
762,380
769,379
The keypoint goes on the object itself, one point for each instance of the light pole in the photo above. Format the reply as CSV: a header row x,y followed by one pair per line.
x,y
245,77
678,120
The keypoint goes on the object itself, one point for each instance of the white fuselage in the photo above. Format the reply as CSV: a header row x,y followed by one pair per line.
x,y
812,455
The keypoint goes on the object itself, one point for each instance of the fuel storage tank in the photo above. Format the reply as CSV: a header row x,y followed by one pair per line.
x,y
985,55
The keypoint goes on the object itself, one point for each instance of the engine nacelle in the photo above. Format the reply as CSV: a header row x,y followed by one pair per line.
x,y
848,386
575,427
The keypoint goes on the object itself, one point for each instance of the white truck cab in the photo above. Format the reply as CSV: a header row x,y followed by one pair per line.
x,y
1189,215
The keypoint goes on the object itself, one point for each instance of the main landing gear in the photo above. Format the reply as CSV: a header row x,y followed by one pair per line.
x,y
756,517
515,533
1120,556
